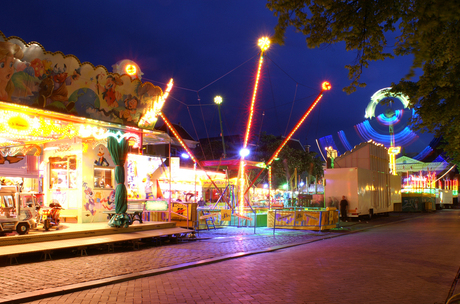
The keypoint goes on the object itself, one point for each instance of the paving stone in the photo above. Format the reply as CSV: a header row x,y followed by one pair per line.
x,y
352,268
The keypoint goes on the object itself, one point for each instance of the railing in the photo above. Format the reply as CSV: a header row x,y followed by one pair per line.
x,y
303,219
163,208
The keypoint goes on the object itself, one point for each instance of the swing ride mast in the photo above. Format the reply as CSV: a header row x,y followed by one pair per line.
x,y
326,86
264,44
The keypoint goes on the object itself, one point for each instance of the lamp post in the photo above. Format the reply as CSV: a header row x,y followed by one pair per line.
x,y
218,101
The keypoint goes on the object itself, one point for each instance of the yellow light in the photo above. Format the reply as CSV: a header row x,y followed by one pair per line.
x,y
326,86
392,151
264,43
178,137
151,116
218,100
251,111
131,69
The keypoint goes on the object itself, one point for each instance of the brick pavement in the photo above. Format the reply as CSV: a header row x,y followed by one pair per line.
x,y
408,262
223,242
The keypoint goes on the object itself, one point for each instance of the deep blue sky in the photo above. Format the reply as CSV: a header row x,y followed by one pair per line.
x,y
196,43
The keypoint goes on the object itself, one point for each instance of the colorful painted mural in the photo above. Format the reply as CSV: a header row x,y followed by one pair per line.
x,y
32,76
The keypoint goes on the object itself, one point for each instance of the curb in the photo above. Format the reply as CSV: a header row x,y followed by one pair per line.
x,y
56,291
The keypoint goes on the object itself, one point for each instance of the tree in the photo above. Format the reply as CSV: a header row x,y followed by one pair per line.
x,y
307,164
428,30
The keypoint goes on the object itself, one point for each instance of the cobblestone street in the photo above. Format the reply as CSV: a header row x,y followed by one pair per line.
x,y
173,262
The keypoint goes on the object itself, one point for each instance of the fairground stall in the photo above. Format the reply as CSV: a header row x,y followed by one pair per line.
x,y
426,186
185,188
66,127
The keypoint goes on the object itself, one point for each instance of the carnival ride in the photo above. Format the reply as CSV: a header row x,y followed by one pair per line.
x,y
390,127
424,172
243,185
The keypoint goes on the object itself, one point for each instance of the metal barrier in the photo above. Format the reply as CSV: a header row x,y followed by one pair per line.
x,y
302,219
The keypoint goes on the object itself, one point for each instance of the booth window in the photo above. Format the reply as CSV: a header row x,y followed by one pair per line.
x,y
103,177
63,172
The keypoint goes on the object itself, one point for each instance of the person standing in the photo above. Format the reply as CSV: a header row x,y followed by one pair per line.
x,y
343,208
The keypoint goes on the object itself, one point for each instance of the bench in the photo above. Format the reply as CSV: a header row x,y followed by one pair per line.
x,y
134,212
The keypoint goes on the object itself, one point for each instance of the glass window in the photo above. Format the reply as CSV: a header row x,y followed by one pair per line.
x,y
8,202
63,172
103,177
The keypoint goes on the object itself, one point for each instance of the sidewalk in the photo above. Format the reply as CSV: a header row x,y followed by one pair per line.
x,y
68,272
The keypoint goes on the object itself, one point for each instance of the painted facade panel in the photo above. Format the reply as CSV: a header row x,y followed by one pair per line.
x,y
53,81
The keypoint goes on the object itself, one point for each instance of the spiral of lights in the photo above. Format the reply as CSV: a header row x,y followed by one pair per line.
x,y
344,140
403,138
382,94
386,121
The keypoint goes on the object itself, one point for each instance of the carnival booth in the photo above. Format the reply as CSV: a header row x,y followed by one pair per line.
x,y
66,127
187,187
426,186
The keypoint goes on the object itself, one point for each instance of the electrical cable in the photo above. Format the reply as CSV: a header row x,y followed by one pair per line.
x,y
273,98
205,127
289,75
196,133
292,107
226,73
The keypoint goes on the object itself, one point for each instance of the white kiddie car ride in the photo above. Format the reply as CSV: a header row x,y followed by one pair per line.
x,y
17,213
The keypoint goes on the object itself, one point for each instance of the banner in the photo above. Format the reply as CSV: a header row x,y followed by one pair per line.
x,y
225,215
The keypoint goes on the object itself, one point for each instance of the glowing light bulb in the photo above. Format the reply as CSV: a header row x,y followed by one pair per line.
x,y
244,152
131,69
326,86
218,100
264,43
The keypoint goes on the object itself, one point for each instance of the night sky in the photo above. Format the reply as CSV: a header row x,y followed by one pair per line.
x,y
210,48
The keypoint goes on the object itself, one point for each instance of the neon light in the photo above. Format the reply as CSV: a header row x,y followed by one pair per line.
x,y
384,120
275,155
251,110
22,126
241,184
178,137
367,132
392,151
264,44
424,153
343,140
382,94
151,116
119,137
269,186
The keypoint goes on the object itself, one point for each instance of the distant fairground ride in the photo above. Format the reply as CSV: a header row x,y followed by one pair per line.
x,y
389,127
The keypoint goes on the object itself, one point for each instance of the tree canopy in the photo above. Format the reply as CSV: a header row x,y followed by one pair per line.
x,y
428,30
308,164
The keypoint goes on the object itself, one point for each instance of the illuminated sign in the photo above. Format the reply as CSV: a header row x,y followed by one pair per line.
x,y
156,205
18,123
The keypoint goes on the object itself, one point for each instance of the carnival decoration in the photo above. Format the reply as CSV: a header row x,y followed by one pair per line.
x,y
61,83
151,116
